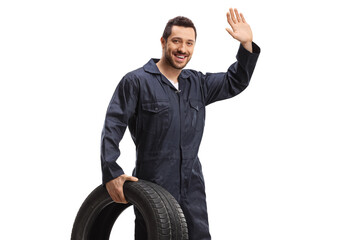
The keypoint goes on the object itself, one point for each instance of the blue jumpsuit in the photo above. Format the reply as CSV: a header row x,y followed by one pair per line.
x,y
166,126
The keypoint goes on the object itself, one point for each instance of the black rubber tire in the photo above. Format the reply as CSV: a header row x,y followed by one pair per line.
x,y
162,214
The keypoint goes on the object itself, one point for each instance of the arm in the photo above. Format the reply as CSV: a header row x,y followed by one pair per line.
x,y
219,86
121,108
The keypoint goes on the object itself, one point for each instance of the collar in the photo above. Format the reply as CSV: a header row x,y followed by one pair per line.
x,y
151,67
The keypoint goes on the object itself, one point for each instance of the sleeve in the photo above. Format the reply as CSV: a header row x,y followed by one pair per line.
x,y
121,108
219,86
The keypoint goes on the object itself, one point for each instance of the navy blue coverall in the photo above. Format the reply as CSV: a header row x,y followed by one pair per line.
x,y
166,126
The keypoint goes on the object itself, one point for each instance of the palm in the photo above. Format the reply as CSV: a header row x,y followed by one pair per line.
x,y
240,28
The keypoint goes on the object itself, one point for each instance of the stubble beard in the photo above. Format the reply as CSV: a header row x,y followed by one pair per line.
x,y
171,61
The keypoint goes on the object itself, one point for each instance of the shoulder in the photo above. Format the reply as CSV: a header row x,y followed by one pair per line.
x,y
190,73
130,80
193,75
144,72
135,74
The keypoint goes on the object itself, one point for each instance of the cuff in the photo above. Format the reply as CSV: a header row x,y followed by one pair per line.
x,y
110,172
245,57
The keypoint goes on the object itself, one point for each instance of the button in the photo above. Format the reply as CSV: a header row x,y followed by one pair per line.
x,y
156,109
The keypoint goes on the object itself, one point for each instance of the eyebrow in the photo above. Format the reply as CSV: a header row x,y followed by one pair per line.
x,y
188,40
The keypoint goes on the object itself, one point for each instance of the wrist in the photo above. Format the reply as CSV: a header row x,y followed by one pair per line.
x,y
247,45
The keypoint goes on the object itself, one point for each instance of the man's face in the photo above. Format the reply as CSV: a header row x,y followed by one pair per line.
x,y
179,46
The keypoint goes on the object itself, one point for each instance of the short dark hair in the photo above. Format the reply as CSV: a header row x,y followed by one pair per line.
x,y
177,21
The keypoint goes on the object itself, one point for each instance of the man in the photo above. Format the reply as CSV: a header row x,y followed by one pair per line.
x,y
164,108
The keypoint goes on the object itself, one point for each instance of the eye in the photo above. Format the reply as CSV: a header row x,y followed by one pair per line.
x,y
190,44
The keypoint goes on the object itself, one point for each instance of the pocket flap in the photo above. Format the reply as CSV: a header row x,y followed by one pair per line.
x,y
197,105
155,107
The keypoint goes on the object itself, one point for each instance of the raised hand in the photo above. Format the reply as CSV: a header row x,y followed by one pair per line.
x,y
240,29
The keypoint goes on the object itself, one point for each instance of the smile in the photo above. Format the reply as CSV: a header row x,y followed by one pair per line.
x,y
180,57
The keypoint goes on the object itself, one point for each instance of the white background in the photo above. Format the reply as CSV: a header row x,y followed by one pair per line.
x,y
281,161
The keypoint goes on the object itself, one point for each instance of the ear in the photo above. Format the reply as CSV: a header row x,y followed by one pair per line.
x,y
163,42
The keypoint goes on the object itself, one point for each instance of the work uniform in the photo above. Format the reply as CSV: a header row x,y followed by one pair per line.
x,y
166,125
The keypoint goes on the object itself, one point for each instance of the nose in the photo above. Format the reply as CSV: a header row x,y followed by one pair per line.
x,y
182,48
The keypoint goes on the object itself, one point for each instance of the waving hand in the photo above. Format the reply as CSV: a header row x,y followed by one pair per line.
x,y
240,29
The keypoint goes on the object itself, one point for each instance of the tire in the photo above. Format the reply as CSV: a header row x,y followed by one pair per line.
x,y
162,214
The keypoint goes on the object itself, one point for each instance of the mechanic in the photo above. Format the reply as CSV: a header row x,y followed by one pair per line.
x,y
163,105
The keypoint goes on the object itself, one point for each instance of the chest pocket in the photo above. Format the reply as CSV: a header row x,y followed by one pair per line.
x,y
197,114
155,117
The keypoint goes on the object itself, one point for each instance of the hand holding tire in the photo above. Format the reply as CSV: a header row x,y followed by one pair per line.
x,y
115,188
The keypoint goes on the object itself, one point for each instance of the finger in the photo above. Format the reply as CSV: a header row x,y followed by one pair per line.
x,y
122,196
232,15
230,32
131,178
115,197
237,15
229,19
243,18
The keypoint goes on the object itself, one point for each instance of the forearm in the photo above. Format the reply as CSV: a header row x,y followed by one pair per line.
x,y
110,138
219,86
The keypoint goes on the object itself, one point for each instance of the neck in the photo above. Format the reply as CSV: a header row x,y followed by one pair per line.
x,y
168,71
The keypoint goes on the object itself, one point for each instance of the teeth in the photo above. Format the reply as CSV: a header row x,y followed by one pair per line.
x,y
182,57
